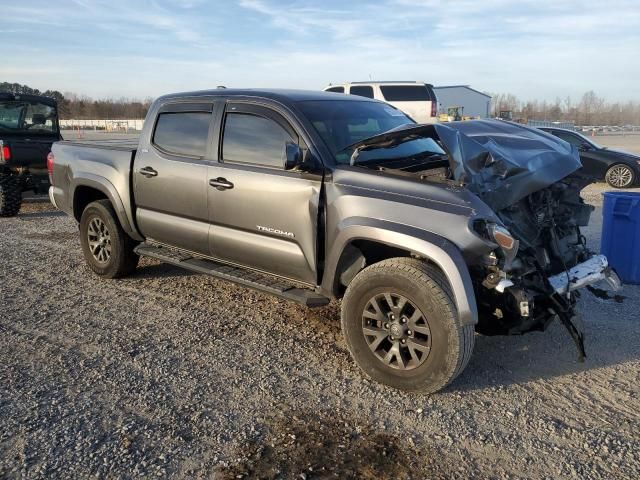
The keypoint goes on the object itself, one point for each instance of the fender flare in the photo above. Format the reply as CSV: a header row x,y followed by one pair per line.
x,y
85,179
446,255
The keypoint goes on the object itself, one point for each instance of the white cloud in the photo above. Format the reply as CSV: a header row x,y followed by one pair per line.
x,y
531,48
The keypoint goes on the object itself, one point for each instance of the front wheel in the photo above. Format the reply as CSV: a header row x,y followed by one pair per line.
x,y
107,249
620,176
402,327
10,195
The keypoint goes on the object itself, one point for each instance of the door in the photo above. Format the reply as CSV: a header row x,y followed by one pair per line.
x,y
262,216
170,177
592,164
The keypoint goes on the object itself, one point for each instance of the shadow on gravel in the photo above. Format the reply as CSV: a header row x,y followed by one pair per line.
x,y
161,270
41,214
504,360
35,199
56,236
315,446
518,359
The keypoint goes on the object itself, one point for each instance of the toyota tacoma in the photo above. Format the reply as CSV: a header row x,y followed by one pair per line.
x,y
427,233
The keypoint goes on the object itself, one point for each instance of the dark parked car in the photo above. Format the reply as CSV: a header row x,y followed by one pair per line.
x,y
28,127
619,169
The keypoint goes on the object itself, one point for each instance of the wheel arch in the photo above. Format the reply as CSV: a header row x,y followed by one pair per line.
x,y
366,241
89,188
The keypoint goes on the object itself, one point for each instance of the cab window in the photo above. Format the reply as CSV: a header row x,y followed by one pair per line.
x,y
567,137
362,91
182,133
406,93
254,139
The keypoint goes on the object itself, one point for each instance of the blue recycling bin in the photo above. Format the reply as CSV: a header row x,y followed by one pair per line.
x,y
621,234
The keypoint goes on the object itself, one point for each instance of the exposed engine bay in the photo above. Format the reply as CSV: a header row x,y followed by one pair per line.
x,y
532,183
514,291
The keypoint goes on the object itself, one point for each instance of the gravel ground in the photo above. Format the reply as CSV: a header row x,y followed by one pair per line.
x,y
630,143
172,374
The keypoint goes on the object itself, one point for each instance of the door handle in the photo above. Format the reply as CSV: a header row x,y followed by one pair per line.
x,y
148,172
221,183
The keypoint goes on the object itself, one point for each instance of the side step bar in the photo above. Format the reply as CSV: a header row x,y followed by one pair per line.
x,y
242,276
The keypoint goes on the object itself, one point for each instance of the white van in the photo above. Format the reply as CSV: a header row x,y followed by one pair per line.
x,y
416,99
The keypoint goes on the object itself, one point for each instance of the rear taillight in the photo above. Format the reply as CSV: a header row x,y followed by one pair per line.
x,y
50,160
6,153
434,108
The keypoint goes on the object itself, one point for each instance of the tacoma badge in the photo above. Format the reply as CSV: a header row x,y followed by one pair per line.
x,y
275,230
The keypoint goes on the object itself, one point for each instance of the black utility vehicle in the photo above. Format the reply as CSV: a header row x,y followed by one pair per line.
x,y
619,169
28,127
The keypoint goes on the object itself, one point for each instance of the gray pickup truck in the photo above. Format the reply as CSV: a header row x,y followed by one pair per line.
x,y
428,233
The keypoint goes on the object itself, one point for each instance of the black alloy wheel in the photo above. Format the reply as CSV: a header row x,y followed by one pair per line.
x,y
397,332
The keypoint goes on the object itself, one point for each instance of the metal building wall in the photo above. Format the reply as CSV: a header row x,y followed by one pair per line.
x,y
475,104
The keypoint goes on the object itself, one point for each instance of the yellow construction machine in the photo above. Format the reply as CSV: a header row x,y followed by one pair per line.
x,y
454,114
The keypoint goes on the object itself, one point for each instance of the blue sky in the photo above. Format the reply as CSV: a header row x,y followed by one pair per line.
x,y
140,48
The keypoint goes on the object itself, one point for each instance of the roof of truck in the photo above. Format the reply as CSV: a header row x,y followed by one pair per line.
x,y
9,96
282,95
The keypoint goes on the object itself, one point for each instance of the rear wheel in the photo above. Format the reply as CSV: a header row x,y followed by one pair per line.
x,y
107,249
10,195
402,327
620,176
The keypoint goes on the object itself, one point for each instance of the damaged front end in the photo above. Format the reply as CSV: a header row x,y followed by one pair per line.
x,y
524,290
531,181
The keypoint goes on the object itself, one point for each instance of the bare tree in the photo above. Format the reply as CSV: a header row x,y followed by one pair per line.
x,y
72,105
591,110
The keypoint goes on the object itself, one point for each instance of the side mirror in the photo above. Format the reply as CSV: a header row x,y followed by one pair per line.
x,y
293,156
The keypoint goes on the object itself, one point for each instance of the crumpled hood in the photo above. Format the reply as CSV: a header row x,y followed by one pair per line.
x,y
501,162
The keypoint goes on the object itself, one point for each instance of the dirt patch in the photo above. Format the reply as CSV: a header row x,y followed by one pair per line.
x,y
311,446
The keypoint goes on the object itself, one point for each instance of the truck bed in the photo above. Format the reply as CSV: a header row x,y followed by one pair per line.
x,y
104,165
122,144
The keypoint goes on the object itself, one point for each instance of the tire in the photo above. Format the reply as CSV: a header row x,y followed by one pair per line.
x,y
620,176
426,291
107,249
10,196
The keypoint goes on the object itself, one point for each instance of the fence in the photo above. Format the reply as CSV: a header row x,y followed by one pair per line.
x,y
103,125
547,123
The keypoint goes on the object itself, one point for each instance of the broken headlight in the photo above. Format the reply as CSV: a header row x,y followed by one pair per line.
x,y
507,243
498,234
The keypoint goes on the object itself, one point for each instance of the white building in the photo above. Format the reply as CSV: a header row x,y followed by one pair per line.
x,y
475,103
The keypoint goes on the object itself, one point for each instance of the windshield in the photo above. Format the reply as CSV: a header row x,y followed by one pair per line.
x,y
341,123
413,149
28,117
574,138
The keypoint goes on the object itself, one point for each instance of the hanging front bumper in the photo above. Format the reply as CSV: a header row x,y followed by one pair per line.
x,y
594,270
